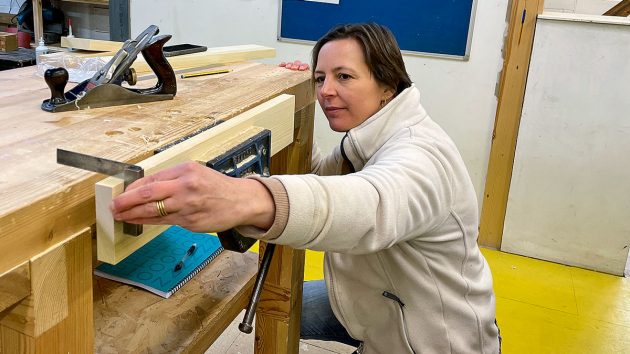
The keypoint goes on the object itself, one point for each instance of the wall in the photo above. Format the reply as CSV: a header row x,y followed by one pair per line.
x,y
10,6
590,7
88,21
569,196
459,95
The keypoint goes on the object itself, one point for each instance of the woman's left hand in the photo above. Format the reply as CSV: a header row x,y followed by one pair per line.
x,y
196,198
295,65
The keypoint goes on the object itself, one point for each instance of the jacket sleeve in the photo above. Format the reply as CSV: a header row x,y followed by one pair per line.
x,y
405,193
325,166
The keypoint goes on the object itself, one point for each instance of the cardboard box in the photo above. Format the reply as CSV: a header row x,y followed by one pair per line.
x,y
8,42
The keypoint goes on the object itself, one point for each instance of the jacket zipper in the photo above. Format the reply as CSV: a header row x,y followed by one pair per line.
x,y
391,296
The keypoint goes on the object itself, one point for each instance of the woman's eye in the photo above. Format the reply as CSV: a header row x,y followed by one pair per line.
x,y
343,76
319,80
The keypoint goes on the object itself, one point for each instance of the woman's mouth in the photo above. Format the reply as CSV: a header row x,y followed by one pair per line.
x,y
332,109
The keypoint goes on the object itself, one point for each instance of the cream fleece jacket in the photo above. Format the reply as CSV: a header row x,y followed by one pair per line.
x,y
402,265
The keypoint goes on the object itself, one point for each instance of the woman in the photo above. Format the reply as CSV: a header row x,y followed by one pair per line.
x,y
393,207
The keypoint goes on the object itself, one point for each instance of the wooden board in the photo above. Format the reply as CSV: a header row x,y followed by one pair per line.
x,y
90,44
275,115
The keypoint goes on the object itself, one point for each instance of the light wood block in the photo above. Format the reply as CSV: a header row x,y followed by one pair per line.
x,y
95,45
275,115
15,285
8,42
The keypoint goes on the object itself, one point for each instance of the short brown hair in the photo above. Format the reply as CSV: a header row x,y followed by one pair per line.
x,y
380,49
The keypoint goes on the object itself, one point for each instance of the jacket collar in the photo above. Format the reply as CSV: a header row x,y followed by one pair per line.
x,y
366,139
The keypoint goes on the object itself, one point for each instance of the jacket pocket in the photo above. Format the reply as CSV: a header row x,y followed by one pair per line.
x,y
403,324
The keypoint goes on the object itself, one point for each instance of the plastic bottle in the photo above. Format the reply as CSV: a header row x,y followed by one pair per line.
x,y
70,35
40,50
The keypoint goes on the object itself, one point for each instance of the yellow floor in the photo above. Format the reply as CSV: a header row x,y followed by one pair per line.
x,y
545,307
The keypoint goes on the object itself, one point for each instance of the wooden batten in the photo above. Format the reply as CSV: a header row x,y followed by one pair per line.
x,y
217,55
518,49
275,115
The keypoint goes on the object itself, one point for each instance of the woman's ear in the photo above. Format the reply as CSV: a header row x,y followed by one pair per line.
x,y
388,94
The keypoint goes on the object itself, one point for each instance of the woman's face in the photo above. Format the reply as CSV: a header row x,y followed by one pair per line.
x,y
346,89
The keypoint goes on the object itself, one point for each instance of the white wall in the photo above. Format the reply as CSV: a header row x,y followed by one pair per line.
x,y
457,94
589,7
570,193
10,6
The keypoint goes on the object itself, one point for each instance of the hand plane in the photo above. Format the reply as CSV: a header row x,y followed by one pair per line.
x,y
105,88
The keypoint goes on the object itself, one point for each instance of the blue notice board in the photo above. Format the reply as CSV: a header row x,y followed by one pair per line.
x,y
438,27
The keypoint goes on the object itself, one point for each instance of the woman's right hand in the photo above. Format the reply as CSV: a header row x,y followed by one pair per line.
x,y
295,65
197,198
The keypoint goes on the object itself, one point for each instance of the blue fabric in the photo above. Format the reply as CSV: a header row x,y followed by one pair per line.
x,y
318,320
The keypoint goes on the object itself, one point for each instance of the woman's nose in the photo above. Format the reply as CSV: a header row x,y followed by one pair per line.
x,y
327,88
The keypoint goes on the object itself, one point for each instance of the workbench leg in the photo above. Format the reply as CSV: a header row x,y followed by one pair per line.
x,y
280,307
57,316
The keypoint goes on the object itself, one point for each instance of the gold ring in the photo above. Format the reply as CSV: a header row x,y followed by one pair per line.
x,y
159,205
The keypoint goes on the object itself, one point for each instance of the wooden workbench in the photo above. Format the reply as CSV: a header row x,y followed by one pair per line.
x,y
49,300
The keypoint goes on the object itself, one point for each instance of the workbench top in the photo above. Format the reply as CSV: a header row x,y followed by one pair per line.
x,y
41,199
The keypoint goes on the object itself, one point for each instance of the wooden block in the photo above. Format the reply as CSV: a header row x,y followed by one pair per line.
x,y
6,19
8,42
94,45
275,115
15,285
48,303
